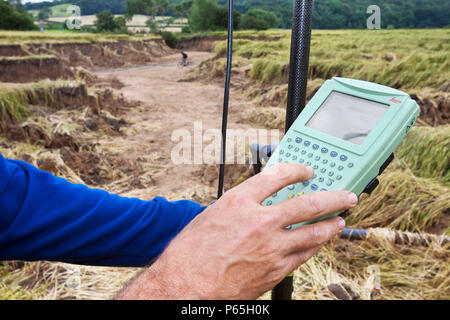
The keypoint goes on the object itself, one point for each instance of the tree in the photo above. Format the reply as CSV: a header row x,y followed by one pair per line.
x,y
221,20
182,9
203,15
150,8
259,19
11,19
44,14
16,5
107,23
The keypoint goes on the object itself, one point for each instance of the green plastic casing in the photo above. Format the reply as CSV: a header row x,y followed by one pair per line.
x,y
355,166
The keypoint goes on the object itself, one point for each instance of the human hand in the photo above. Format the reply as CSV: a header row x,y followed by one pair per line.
x,y
238,248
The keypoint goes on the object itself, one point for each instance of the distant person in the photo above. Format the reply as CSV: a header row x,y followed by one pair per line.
x,y
184,59
234,249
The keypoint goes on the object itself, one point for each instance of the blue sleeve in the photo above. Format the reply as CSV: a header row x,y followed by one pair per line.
x,y
43,217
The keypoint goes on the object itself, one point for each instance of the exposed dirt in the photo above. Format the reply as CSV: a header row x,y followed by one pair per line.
x,y
61,59
33,69
170,104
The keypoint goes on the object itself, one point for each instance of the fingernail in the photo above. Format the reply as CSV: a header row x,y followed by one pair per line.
x,y
310,170
353,199
341,224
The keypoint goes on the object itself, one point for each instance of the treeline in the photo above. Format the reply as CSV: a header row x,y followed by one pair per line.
x,y
351,14
328,14
12,17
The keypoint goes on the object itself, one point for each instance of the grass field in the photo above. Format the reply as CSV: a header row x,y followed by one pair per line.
x,y
400,58
67,36
414,194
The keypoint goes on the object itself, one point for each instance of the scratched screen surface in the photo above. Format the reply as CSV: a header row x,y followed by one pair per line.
x,y
347,117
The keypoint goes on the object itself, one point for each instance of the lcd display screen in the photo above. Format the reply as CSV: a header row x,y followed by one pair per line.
x,y
347,117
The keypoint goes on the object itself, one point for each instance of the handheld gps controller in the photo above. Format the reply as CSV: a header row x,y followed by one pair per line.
x,y
347,133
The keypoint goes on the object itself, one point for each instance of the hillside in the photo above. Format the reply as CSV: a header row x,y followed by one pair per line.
x,y
328,14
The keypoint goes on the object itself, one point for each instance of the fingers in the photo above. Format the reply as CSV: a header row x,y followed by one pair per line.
x,y
313,206
312,236
270,181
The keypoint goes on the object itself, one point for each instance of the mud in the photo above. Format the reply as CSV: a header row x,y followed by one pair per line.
x,y
61,60
33,69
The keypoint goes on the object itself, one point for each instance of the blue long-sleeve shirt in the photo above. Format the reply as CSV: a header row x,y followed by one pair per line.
x,y
43,217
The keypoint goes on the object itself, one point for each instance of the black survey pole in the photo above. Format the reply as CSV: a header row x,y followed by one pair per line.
x,y
298,80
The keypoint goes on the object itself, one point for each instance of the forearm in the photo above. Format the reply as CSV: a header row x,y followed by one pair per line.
x,y
154,283
43,217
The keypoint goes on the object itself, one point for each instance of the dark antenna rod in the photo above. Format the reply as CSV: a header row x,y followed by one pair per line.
x,y
298,81
223,150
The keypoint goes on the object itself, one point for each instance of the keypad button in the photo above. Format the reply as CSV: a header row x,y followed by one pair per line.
x,y
315,167
332,164
340,168
323,190
299,140
330,182
323,170
269,203
339,178
344,158
310,155
334,154
305,184
315,146
290,147
351,165
275,195
325,161
321,179
294,158
289,140
324,150
308,163
288,155
331,173
307,143
281,151
280,160
301,161
314,177
291,187
297,149
317,158
315,187
304,152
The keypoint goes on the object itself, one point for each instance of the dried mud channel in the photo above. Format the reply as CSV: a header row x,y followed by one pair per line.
x,y
170,105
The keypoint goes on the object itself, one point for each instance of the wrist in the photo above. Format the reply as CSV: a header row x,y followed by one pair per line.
x,y
148,285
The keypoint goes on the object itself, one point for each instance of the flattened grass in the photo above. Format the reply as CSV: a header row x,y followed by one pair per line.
x,y
426,152
396,58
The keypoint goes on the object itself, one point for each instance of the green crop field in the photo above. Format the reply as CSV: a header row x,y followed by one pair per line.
x,y
59,10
